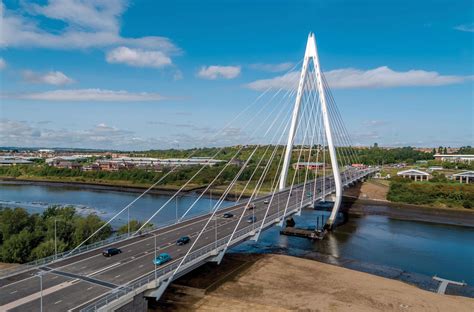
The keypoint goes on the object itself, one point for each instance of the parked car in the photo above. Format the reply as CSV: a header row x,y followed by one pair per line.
x,y
250,206
161,259
183,241
251,219
227,215
111,252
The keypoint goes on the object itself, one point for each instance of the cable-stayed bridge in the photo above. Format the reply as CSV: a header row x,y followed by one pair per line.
x,y
303,135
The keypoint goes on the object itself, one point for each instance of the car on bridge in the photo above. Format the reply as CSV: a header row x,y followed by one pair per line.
x,y
251,219
111,252
183,240
162,259
227,215
266,201
250,206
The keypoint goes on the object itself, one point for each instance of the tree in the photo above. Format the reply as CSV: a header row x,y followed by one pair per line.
x,y
376,145
440,149
18,247
445,151
134,226
46,249
12,221
434,151
85,227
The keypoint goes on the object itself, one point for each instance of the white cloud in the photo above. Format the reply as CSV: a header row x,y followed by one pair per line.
x,y
381,77
22,133
3,64
214,72
56,78
138,57
272,68
82,95
465,27
87,24
104,136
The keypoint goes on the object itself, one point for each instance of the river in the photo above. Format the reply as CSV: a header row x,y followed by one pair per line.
x,y
377,242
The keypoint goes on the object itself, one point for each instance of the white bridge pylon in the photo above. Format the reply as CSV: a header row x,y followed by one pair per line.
x,y
311,55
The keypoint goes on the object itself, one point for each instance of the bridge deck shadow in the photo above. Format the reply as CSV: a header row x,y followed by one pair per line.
x,y
190,288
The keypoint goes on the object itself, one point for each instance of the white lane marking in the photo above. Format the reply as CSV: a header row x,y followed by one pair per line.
x,y
103,269
84,267
90,288
34,296
133,257
58,301
117,276
140,266
13,292
54,277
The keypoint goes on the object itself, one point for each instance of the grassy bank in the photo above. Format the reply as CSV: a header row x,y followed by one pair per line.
x,y
436,194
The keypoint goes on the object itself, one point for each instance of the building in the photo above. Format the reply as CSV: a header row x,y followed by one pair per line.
x,y
13,160
435,168
308,165
455,157
65,164
414,174
464,177
358,166
91,167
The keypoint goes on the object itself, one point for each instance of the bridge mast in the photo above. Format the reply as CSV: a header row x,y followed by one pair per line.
x,y
311,53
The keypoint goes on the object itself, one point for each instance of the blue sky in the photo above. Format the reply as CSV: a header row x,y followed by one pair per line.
x,y
159,74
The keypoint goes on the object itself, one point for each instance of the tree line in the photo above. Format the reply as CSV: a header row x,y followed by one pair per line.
x,y
25,237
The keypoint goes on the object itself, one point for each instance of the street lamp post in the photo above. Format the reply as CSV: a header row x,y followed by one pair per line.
x,y
40,275
154,261
55,242
176,209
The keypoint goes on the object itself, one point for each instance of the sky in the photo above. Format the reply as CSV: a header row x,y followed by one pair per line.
x,y
134,75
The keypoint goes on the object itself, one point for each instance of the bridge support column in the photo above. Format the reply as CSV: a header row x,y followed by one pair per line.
x,y
158,292
311,54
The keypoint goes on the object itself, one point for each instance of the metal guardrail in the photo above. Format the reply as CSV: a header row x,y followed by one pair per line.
x,y
66,254
208,250
117,238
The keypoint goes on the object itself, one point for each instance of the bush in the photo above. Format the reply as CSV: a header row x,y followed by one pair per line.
x,y
449,194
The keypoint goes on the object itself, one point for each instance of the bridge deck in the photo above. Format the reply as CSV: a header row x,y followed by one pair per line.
x,y
76,282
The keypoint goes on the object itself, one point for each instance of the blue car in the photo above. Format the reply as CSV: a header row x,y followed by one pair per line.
x,y
161,259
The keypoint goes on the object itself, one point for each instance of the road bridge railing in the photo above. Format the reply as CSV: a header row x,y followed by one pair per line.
x,y
354,175
202,254
209,251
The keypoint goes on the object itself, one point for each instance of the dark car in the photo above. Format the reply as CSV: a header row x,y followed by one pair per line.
x,y
111,252
250,206
227,215
251,219
183,241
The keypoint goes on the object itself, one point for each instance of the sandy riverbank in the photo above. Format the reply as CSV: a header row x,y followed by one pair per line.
x,y
285,283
